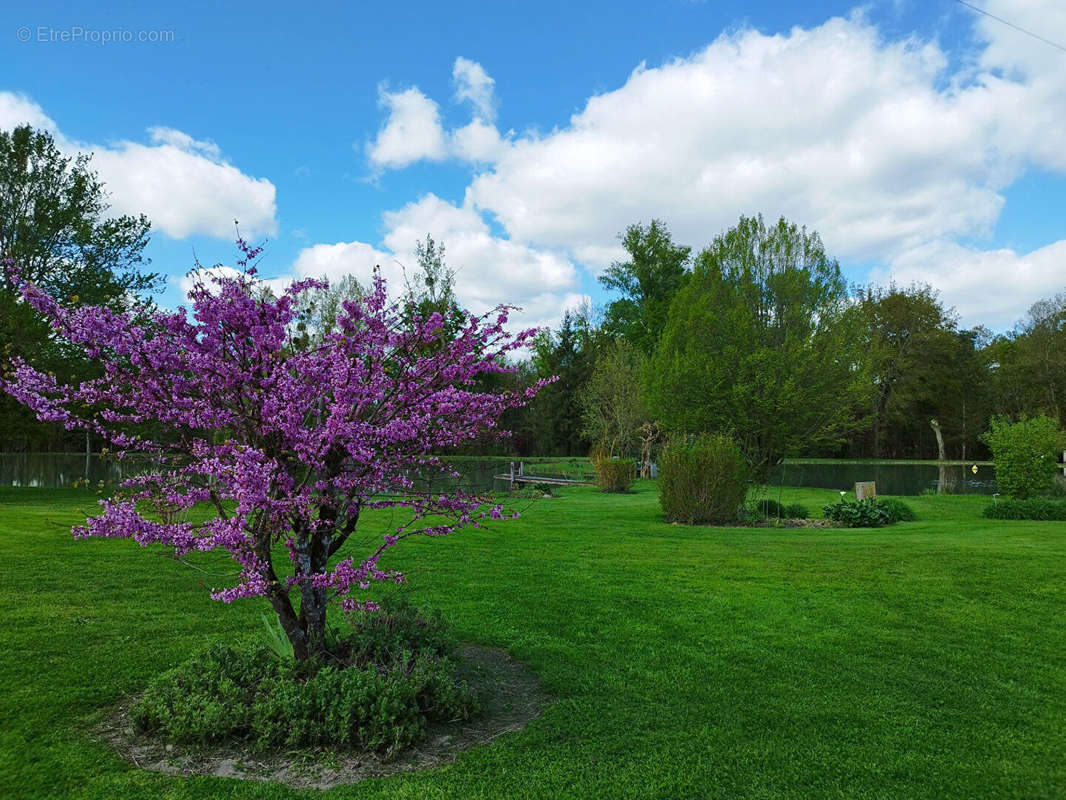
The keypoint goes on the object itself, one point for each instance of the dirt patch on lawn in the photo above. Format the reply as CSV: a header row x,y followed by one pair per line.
x,y
510,695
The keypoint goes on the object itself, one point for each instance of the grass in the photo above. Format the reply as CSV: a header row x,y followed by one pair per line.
x,y
921,660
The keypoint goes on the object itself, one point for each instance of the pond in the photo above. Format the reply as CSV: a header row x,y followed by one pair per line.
x,y
52,470
907,478
901,479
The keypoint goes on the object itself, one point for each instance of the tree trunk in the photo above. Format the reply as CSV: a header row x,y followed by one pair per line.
x,y
942,472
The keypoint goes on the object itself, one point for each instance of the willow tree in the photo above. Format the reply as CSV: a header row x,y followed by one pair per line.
x,y
761,343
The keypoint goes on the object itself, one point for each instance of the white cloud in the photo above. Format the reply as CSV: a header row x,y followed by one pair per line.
x,y
988,287
878,144
333,261
190,279
473,85
183,185
832,127
411,133
17,109
488,270
413,130
477,142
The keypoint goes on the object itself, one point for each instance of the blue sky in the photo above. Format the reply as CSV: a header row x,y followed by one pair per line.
x,y
922,140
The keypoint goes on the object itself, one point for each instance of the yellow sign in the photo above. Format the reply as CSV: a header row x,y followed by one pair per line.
x,y
973,469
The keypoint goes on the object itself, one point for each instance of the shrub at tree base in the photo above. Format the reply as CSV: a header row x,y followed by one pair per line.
x,y
1025,454
868,513
390,676
702,480
1038,508
614,474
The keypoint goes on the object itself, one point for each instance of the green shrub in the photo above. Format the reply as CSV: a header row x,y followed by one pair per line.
x,y
392,674
768,509
1040,508
898,511
868,513
702,480
796,511
614,474
1025,454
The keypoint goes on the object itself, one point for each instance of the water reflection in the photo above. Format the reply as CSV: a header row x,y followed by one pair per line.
x,y
890,478
50,470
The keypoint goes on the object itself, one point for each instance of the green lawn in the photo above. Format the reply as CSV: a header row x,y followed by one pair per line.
x,y
925,660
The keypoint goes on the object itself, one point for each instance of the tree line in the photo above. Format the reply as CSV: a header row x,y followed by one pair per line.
x,y
757,335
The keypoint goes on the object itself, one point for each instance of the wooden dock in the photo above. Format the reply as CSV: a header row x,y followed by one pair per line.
x,y
520,476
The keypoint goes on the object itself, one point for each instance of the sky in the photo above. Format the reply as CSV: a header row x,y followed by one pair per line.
x,y
924,141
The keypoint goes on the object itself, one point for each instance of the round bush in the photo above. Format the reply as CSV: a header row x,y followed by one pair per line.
x,y
614,474
866,513
898,511
796,511
703,479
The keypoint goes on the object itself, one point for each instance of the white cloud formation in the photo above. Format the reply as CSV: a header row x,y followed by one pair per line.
x,y
183,185
333,261
411,133
17,109
202,275
987,287
488,269
413,130
831,127
477,142
880,145
473,85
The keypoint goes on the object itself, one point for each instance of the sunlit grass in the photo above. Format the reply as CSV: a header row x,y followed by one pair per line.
x,y
921,660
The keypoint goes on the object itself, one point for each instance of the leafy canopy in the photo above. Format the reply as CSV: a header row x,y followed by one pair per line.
x,y
761,343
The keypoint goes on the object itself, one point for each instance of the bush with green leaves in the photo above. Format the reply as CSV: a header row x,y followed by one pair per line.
x,y
1025,454
796,511
866,513
394,672
702,479
614,474
898,510
769,509
1038,508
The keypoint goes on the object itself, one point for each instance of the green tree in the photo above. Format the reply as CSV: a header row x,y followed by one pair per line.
x,y
655,272
431,289
54,227
53,224
762,344
921,366
319,309
1025,454
613,399
555,415
1026,367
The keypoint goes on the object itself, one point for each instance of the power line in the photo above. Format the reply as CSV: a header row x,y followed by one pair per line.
x,y
1011,25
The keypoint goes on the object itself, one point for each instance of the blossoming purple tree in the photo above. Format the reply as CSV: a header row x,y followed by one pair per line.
x,y
285,443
